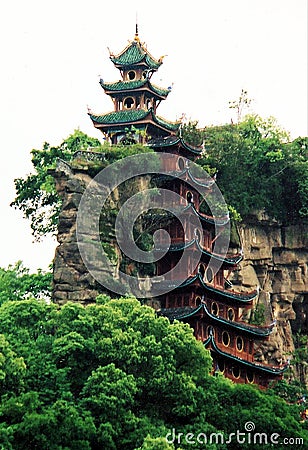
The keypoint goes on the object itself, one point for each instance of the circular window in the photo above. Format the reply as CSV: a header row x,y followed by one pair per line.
x,y
236,372
239,343
250,377
198,301
131,75
201,270
209,275
231,314
128,102
225,338
181,163
189,197
214,309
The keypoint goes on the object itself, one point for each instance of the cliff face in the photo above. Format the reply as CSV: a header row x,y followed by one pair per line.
x,y
71,279
275,259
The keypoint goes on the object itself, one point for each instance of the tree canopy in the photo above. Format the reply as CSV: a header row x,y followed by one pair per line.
x,y
115,375
258,168
16,282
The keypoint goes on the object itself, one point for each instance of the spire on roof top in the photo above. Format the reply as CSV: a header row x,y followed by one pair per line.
x,y
136,33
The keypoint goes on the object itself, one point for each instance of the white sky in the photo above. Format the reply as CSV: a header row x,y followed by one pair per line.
x,y
54,51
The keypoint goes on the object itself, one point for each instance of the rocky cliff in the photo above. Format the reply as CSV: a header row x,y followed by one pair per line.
x,y
71,279
275,259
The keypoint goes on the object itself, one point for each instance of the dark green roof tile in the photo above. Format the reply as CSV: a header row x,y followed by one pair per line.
x,y
172,126
129,115
132,85
134,54
132,115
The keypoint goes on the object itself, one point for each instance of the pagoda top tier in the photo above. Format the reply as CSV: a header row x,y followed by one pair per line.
x,y
135,99
135,54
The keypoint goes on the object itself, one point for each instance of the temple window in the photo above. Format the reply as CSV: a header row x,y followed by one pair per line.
x,y
189,197
128,102
198,301
226,338
201,270
181,164
214,309
239,343
230,314
131,75
236,372
250,377
209,275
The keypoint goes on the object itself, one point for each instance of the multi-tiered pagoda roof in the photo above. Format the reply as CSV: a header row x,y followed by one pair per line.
x,y
135,98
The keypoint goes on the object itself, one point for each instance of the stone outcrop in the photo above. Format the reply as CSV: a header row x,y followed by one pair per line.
x,y
275,259
71,279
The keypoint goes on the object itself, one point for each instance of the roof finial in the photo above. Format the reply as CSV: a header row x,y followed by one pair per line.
x,y
136,33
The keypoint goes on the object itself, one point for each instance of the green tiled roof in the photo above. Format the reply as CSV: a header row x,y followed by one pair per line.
x,y
131,85
227,259
126,116
123,85
134,54
158,90
132,115
188,311
171,141
221,293
164,123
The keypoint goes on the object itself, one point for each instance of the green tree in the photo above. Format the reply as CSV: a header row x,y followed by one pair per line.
x,y
115,375
36,194
258,168
16,282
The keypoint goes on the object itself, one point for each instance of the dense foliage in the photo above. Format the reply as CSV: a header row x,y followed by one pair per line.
x,y
16,282
258,168
114,375
36,195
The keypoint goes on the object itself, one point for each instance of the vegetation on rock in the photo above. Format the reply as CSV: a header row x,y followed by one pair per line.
x,y
258,168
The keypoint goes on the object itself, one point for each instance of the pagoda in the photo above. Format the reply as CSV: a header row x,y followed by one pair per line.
x,y
135,98
202,296
196,294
